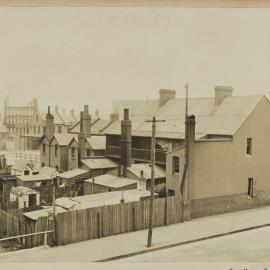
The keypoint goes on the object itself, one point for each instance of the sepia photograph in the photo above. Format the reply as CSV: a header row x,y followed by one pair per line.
x,y
134,134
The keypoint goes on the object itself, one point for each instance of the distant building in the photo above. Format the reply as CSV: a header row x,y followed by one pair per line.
x,y
19,116
31,139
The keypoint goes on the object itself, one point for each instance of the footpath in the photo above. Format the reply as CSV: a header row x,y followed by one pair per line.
x,y
134,243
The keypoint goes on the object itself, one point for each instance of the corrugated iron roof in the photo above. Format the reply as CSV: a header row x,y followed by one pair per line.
x,y
97,142
35,177
90,201
34,215
72,173
146,168
99,163
224,119
47,171
112,181
20,190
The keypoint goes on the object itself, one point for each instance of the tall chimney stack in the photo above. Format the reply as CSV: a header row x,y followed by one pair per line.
x,y
125,141
81,142
49,124
86,122
221,92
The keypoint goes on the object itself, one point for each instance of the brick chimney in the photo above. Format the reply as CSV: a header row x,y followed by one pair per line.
x,y
81,142
86,121
190,159
49,124
125,141
165,95
221,92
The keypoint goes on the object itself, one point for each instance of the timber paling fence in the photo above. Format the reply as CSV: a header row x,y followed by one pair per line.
x,y
86,224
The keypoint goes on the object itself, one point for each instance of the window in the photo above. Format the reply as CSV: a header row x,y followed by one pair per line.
x,y
34,129
26,172
38,129
88,152
56,150
43,164
251,187
56,167
59,129
73,152
44,130
171,192
249,146
175,165
44,148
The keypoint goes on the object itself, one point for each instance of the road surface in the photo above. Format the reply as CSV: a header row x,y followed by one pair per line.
x,y
249,246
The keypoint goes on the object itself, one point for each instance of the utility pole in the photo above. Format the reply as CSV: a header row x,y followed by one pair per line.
x,y
186,126
183,182
153,159
54,213
53,196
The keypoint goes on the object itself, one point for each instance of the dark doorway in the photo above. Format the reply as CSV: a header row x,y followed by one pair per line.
x,y
32,200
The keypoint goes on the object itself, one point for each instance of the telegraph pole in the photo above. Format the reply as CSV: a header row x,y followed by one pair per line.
x,y
153,160
186,126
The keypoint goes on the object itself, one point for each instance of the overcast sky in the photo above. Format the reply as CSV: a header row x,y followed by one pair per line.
x,y
76,56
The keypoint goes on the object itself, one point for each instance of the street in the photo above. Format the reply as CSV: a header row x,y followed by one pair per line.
x,y
250,246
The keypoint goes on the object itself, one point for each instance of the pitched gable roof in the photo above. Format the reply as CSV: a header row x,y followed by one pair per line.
x,y
63,138
223,119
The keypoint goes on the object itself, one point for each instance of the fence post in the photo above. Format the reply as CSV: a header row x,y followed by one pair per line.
x,y
166,209
133,218
45,239
98,224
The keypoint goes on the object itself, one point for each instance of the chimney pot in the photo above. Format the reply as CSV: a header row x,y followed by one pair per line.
x,y
86,108
126,114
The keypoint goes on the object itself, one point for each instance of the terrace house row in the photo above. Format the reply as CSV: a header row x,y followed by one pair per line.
x,y
66,151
